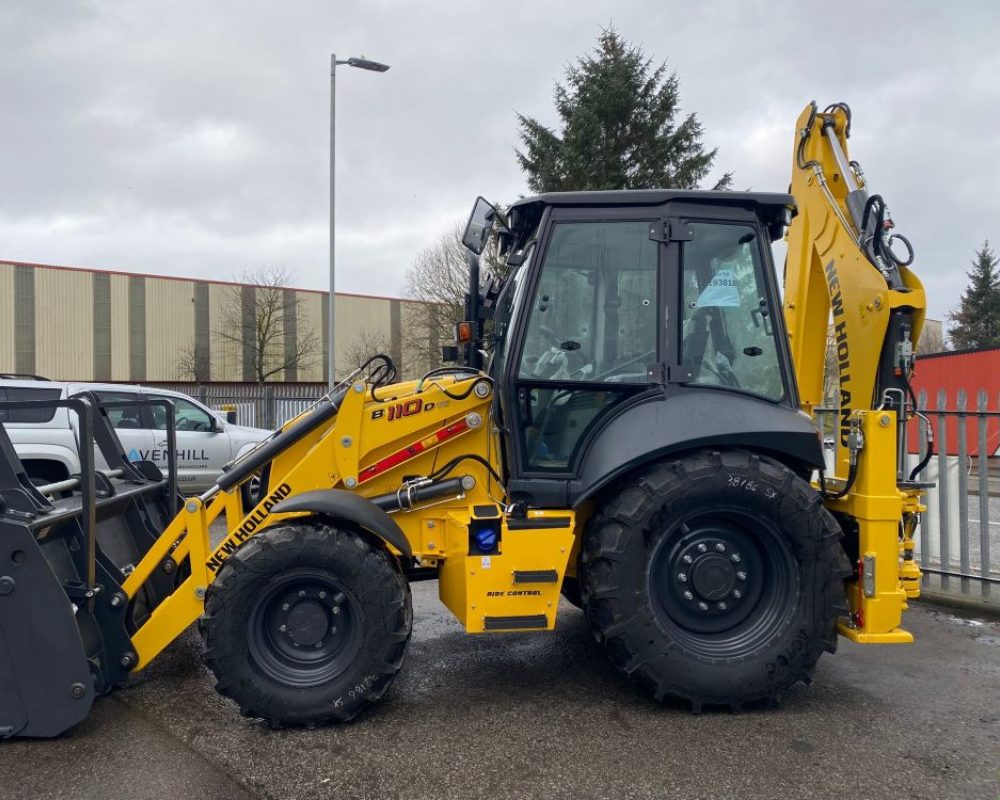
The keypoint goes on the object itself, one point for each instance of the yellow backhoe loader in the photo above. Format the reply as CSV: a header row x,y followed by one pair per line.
x,y
626,422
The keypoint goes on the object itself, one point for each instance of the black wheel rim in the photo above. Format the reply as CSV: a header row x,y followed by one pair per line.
x,y
305,627
723,583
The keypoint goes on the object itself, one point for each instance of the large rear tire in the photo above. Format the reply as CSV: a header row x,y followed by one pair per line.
x,y
307,624
716,578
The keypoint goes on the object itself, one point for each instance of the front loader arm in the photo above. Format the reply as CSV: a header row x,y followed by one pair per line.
x,y
847,288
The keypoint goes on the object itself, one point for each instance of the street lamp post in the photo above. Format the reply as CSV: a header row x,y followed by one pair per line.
x,y
372,66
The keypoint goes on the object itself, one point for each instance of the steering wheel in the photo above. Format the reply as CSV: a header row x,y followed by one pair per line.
x,y
559,357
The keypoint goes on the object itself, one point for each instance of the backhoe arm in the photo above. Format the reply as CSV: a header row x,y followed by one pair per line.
x,y
848,287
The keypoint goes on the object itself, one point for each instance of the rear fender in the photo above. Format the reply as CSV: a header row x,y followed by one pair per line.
x,y
695,419
349,507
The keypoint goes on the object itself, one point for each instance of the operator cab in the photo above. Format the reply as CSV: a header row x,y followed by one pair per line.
x,y
657,304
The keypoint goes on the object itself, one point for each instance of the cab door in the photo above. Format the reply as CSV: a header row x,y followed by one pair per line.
x,y
202,445
590,335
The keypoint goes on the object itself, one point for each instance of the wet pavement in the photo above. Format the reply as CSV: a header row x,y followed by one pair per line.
x,y
535,715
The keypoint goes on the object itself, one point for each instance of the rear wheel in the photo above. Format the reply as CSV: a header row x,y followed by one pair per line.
x,y
716,578
306,624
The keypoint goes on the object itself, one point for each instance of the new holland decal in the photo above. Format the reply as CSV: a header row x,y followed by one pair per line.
x,y
843,352
246,530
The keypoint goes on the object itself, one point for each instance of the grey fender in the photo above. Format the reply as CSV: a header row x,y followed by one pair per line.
x,y
694,419
349,507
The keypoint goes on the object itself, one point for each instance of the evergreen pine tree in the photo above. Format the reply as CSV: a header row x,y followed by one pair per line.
x,y
976,321
620,128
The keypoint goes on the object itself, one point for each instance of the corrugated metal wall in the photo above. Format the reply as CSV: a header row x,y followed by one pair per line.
x,y
76,324
971,371
7,318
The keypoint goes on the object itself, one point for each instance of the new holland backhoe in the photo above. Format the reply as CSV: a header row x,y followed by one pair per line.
x,y
628,423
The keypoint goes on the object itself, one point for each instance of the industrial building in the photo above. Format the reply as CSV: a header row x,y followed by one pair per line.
x,y
96,325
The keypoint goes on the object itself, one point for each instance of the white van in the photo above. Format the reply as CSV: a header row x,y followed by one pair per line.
x,y
46,439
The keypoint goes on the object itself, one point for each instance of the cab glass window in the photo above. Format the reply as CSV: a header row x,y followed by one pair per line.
x,y
593,316
727,324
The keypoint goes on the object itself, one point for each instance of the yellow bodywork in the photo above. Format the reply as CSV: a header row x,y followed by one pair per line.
x,y
831,288
420,428
374,445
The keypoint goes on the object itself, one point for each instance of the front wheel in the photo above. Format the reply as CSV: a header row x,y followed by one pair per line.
x,y
306,624
716,578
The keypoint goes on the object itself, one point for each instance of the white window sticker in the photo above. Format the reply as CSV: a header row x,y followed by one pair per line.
x,y
721,291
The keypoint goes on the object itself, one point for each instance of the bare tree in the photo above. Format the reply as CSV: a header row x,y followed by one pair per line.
x,y
439,276
932,339
193,364
263,318
365,344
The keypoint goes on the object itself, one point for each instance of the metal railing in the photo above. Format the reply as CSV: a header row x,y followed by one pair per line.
x,y
958,538
267,405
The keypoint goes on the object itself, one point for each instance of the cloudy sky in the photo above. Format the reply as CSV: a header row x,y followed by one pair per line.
x,y
190,138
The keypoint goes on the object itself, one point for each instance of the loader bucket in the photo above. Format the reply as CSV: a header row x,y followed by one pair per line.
x,y
65,551
45,681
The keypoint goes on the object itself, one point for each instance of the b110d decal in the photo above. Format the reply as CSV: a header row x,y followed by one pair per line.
x,y
407,408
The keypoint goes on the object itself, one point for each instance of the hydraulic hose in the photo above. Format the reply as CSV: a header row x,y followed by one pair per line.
x,y
930,431
852,473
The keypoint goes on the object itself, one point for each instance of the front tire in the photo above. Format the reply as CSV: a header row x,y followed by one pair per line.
x,y
306,624
716,578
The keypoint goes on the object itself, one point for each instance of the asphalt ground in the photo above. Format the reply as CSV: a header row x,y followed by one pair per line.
x,y
544,715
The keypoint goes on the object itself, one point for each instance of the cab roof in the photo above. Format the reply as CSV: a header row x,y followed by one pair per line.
x,y
524,215
655,197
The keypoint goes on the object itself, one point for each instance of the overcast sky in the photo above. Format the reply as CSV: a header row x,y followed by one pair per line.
x,y
191,138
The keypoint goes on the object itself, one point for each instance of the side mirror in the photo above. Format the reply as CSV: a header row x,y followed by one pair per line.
x,y
479,226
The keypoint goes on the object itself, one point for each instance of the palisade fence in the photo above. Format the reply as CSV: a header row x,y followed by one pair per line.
x,y
267,405
958,538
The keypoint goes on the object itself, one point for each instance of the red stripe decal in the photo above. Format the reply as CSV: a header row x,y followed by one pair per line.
x,y
410,451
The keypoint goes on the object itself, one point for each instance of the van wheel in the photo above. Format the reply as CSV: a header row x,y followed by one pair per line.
x,y
253,491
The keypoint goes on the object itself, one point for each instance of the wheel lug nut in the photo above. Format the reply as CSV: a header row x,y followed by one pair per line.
x,y
339,597
302,592
720,547
736,558
737,594
688,596
703,606
282,628
687,559
722,606
702,548
318,645
322,595
335,609
333,629
682,577
285,606
741,575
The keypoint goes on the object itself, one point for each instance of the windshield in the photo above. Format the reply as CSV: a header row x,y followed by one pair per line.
x,y
508,304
